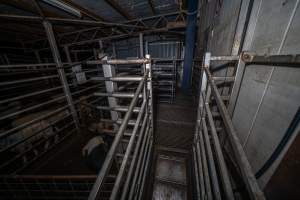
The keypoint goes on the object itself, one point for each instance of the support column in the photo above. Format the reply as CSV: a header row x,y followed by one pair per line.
x,y
111,87
101,46
56,56
141,45
67,52
189,45
149,87
114,52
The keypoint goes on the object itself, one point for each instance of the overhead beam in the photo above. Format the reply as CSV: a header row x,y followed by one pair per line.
x,y
119,9
29,6
147,25
148,28
64,20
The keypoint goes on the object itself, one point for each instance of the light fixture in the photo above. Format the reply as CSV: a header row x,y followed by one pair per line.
x,y
65,7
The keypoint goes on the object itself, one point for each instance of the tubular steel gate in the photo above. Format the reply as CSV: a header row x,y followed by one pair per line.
x,y
218,155
216,139
123,173
131,169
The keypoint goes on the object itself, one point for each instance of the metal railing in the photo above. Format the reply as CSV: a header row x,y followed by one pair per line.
x,y
214,162
46,187
129,169
125,168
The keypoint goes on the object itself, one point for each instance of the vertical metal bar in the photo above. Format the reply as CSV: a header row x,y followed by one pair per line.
x,y
220,159
203,88
121,172
196,173
141,139
201,171
245,167
146,168
111,87
240,70
149,87
147,47
143,166
205,167
114,52
141,45
94,194
200,110
138,166
67,52
61,72
101,46
211,163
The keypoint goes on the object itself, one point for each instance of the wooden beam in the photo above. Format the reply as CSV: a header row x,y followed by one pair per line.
x,y
119,9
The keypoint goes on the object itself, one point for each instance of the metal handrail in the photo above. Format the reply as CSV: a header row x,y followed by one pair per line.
x,y
202,146
144,119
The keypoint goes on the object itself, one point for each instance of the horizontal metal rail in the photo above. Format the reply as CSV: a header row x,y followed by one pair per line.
x,y
119,62
30,95
117,94
28,80
119,108
206,129
32,108
110,155
120,79
127,159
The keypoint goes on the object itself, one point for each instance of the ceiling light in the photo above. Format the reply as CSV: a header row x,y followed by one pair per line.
x,y
65,7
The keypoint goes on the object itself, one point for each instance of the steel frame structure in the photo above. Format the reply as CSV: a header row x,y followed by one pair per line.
x,y
106,31
139,148
134,160
209,161
209,156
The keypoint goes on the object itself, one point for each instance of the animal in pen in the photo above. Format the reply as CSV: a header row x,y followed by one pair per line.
x,y
41,131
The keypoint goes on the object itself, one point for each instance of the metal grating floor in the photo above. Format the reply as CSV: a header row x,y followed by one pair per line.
x,y
170,178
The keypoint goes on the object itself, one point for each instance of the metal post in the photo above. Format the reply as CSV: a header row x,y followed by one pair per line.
x,y
189,44
211,162
149,87
111,87
95,192
141,45
101,46
245,167
56,56
138,164
196,172
114,52
240,70
220,158
67,52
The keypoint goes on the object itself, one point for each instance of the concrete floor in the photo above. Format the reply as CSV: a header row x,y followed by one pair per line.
x,y
174,130
65,159
175,122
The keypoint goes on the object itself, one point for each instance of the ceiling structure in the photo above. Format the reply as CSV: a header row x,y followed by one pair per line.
x,y
78,21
